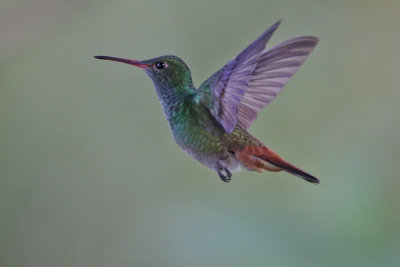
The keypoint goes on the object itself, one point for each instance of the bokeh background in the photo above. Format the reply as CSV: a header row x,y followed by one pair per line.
x,y
90,174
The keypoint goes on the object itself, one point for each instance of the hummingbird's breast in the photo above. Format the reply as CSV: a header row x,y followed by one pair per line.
x,y
197,133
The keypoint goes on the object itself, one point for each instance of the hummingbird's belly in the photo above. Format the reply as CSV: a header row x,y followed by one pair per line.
x,y
204,144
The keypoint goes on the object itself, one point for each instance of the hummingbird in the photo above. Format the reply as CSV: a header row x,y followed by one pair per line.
x,y
210,122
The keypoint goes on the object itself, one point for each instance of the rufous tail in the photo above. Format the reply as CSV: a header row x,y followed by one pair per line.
x,y
258,158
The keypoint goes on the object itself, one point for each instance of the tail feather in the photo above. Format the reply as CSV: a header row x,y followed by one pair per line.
x,y
263,158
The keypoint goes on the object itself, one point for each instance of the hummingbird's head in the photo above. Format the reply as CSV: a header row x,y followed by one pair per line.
x,y
166,72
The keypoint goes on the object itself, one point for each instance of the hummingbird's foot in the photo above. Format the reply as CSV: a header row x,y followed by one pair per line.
x,y
224,177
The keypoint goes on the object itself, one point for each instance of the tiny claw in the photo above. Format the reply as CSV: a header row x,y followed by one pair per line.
x,y
227,177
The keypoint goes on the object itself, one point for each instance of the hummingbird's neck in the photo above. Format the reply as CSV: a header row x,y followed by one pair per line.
x,y
175,99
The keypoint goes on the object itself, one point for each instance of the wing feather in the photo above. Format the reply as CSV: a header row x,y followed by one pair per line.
x,y
222,92
249,82
274,69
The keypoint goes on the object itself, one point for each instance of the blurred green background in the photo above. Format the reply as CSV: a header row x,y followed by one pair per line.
x,y
90,174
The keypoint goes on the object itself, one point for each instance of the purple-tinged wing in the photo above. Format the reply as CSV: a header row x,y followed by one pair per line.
x,y
275,67
249,82
223,91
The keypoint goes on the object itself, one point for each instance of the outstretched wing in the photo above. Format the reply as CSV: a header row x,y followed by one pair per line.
x,y
249,82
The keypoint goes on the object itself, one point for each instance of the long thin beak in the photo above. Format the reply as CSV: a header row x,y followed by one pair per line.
x,y
136,63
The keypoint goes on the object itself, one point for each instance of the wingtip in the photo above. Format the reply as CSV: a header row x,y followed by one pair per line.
x,y
313,38
276,25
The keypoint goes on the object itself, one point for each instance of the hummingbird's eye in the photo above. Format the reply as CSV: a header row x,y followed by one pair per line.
x,y
160,65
